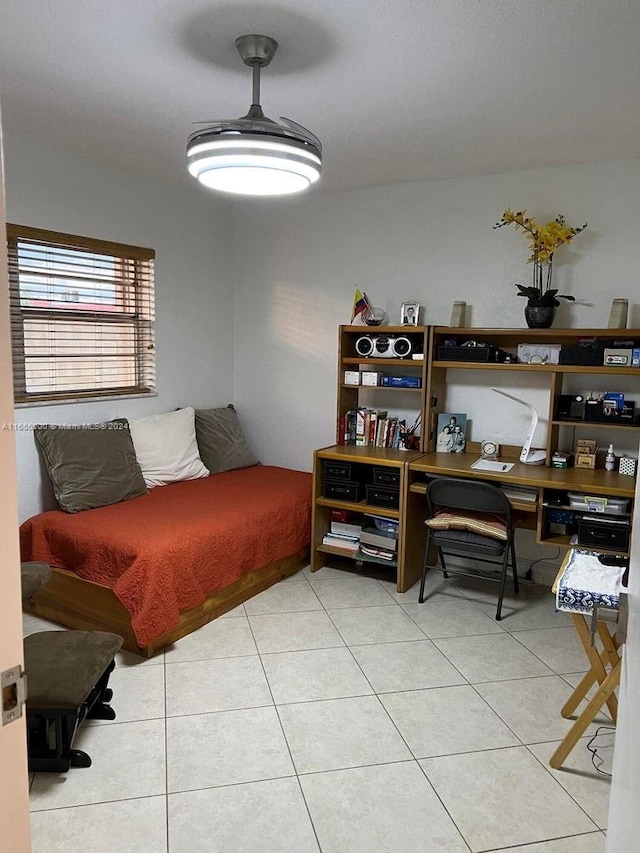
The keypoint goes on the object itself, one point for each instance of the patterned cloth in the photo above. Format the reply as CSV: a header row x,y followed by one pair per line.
x,y
586,582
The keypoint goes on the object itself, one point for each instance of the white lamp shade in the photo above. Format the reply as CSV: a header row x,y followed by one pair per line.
x,y
253,164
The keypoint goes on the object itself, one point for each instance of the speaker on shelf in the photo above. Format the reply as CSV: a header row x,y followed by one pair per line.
x,y
383,346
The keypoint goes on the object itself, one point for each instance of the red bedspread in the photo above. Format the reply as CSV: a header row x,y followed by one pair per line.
x,y
165,551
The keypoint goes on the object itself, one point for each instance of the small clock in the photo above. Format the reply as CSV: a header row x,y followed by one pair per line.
x,y
489,449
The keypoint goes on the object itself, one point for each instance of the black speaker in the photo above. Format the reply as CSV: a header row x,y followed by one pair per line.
x,y
364,345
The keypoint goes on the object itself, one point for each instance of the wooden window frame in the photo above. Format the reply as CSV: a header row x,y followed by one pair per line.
x,y
134,287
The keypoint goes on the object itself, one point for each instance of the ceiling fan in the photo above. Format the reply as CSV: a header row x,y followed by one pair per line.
x,y
254,155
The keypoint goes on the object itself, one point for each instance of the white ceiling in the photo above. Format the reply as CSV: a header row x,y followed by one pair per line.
x,y
397,90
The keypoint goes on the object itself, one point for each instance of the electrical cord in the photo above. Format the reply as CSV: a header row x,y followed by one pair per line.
x,y
598,760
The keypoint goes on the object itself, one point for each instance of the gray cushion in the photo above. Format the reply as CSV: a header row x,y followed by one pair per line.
x,y
221,443
64,666
90,467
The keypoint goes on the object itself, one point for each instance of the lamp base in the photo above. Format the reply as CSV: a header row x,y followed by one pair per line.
x,y
534,457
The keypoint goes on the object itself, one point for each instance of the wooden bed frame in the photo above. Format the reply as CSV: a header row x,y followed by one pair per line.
x,y
81,604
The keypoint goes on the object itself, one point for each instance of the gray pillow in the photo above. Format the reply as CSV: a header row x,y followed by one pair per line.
x,y
92,465
221,443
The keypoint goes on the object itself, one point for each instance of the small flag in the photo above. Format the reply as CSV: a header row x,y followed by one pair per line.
x,y
361,307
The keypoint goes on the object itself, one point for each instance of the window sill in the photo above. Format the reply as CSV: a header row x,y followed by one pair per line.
x,y
32,404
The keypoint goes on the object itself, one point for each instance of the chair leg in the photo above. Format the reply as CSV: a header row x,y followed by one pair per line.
x,y
425,567
514,566
443,565
503,582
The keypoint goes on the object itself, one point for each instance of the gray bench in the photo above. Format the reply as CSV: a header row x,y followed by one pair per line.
x,y
68,674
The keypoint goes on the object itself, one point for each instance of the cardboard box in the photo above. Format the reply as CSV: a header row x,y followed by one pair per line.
x,y
371,377
352,377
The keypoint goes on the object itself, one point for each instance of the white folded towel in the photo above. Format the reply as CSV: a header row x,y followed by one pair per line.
x,y
586,582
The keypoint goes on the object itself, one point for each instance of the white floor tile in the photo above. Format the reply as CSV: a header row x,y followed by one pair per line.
x,y
128,762
436,588
357,592
225,748
364,625
257,817
446,720
340,733
222,638
592,843
139,825
579,777
503,797
137,694
383,809
283,598
531,707
493,657
317,674
559,648
287,632
34,625
451,618
199,687
526,613
414,665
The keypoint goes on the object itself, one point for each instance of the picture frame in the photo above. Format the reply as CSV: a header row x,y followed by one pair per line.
x,y
409,313
452,432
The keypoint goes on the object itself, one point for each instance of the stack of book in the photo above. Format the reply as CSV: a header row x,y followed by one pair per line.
x,y
344,536
378,544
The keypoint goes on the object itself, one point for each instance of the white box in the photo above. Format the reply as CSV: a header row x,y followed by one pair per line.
x,y
538,353
371,377
352,377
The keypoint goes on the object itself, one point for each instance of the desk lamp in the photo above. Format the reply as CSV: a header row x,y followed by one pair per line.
x,y
531,457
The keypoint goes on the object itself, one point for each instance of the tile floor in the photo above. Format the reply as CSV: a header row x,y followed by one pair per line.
x,y
332,714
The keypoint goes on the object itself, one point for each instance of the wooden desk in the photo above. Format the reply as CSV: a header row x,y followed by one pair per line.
x,y
548,481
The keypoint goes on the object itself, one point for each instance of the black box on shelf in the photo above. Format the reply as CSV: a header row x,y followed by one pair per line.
x,y
467,353
570,407
389,477
382,496
598,531
336,470
590,353
341,490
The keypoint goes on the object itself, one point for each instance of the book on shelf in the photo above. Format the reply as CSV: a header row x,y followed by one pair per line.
x,y
340,542
346,528
378,553
372,536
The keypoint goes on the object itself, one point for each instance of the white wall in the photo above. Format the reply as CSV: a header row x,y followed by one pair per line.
x,y
295,264
189,230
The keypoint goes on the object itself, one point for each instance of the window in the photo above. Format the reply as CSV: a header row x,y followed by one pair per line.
x,y
82,314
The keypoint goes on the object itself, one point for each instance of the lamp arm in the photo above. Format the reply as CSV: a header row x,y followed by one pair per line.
x,y
526,454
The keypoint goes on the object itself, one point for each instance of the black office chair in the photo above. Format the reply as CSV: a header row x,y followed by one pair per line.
x,y
473,519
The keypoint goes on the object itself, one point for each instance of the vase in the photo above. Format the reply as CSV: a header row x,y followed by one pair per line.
x,y
539,316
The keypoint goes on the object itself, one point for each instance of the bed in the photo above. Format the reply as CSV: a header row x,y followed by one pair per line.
x,y
156,567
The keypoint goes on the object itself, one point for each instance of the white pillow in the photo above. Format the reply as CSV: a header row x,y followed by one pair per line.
x,y
166,448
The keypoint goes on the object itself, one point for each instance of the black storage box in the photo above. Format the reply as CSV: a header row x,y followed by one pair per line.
x,y
382,496
590,354
333,470
596,412
388,477
467,353
341,490
599,531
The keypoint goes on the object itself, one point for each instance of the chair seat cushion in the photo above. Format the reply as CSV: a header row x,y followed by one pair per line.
x,y
32,577
482,523
63,666
467,542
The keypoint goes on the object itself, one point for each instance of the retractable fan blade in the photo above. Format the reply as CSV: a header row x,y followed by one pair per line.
x,y
303,131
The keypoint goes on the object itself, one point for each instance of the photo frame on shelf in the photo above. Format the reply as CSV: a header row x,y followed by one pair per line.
x,y
409,313
452,432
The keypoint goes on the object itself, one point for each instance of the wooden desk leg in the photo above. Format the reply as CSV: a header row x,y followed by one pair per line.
x,y
602,695
597,672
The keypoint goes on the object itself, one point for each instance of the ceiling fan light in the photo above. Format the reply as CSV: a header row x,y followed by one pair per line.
x,y
254,155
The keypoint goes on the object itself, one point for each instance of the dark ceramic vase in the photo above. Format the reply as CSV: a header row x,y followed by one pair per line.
x,y
539,316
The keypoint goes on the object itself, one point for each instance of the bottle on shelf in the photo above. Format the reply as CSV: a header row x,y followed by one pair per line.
x,y
610,459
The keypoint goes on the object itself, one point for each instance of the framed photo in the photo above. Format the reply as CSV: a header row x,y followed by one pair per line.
x,y
452,432
409,313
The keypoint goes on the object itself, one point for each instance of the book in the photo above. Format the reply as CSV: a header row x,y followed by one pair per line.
x,y
378,553
372,536
346,528
337,542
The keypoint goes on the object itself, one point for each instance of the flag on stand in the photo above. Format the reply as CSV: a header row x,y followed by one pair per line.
x,y
361,308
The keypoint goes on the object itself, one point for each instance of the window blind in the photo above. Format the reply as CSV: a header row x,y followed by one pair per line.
x,y
82,316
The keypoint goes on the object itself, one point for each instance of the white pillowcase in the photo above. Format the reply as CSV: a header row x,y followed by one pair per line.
x,y
166,448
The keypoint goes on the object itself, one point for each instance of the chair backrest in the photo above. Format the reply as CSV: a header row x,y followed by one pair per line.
x,y
470,495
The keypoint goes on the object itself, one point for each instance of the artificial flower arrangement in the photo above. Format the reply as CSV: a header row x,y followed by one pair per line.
x,y
543,242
